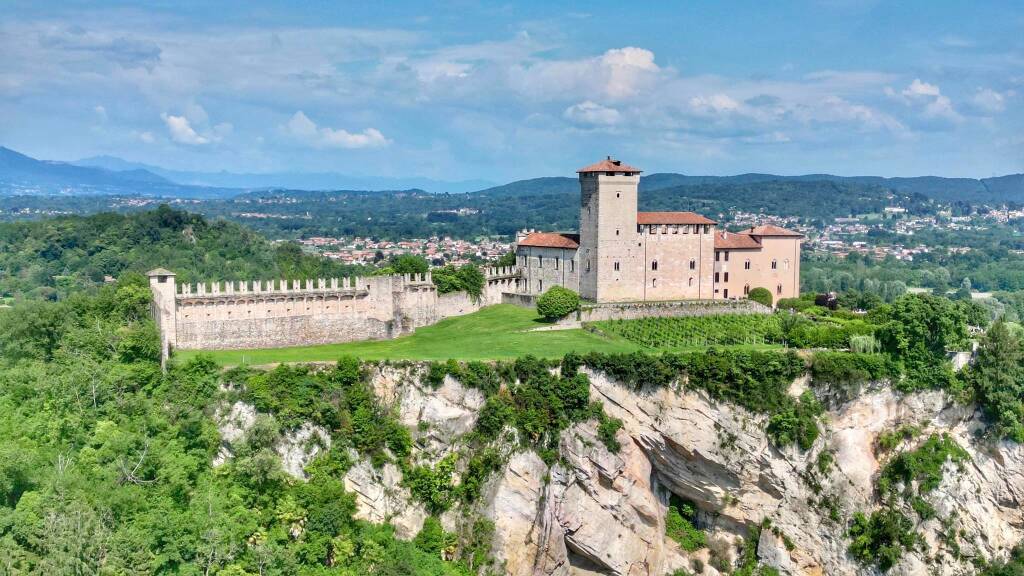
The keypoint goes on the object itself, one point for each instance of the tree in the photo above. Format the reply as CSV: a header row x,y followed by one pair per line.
x,y
997,380
761,295
409,264
558,302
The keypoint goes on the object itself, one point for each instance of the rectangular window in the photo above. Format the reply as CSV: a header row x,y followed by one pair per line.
x,y
718,256
746,265
675,229
616,266
707,228
726,256
556,263
726,276
540,261
716,277
572,265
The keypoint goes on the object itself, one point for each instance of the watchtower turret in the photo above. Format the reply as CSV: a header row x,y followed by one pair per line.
x,y
611,260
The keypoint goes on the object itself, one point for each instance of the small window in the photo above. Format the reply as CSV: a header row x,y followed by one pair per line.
x,y
686,229
616,231
746,289
556,263
690,283
161,279
725,293
726,276
617,195
775,264
726,255
654,265
785,264
675,229
616,266
540,285
778,289
746,264
716,277
693,264
572,265
540,261
718,256
654,282
707,228
588,264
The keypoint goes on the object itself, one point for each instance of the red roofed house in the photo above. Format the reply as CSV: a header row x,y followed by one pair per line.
x,y
622,255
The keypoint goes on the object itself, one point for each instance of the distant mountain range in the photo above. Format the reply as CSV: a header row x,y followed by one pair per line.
x,y
21,174
286,180
1008,188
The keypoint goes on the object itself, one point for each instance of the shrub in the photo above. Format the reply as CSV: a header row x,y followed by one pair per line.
x,y
761,295
922,465
881,539
679,525
558,302
797,423
849,368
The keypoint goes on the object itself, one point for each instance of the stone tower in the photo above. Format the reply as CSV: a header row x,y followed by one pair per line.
x,y
162,283
610,255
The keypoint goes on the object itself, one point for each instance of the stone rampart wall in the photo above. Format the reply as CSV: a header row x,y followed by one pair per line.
x,y
635,310
268,314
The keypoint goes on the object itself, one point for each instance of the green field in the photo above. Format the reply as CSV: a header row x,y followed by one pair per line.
x,y
690,332
497,332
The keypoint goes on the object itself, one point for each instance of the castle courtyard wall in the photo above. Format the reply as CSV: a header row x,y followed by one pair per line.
x,y
269,314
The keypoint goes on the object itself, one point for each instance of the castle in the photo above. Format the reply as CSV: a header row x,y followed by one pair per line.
x,y
622,255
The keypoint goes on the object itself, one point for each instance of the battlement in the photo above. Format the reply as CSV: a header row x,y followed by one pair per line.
x,y
283,312
306,286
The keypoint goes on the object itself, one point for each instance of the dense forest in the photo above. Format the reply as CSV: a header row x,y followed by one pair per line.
x,y
55,257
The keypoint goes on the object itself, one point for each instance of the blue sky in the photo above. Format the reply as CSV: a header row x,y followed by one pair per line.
x,y
463,90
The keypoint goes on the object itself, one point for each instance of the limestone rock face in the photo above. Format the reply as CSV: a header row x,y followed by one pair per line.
x,y
299,447
380,498
597,512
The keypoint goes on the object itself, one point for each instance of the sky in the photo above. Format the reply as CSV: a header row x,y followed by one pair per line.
x,y
505,91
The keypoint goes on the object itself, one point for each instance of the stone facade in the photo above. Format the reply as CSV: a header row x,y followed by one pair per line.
x,y
622,255
267,314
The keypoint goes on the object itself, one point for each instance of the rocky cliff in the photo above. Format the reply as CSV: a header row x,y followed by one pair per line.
x,y
597,512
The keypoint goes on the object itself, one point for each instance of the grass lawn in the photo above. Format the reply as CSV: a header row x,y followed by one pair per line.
x,y
495,332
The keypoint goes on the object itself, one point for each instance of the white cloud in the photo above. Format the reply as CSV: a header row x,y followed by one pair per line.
x,y
305,130
716,103
933,103
147,137
918,88
989,100
101,112
588,112
182,132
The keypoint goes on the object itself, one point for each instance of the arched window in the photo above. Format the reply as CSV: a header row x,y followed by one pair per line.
x,y
691,281
778,289
693,264
746,264
746,289
654,264
775,264
654,282
785,264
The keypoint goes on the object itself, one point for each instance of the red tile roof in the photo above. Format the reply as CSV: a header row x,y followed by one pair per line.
x,y
552,240
772,230
735,241
608,165
671,218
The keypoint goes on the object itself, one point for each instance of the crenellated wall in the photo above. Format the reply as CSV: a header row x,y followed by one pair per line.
x,y
275,313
